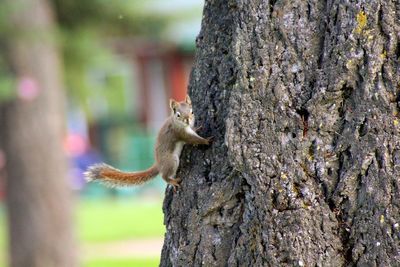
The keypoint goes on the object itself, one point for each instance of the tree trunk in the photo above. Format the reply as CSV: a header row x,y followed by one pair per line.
x,y
302,100
32,126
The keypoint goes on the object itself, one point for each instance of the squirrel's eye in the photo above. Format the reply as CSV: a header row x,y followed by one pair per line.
x,y
191,111
178,114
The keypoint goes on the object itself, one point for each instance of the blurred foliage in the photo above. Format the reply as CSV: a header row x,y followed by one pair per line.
x,y
90,72
85,30
7,81
96,78
110,17
7,85
90,65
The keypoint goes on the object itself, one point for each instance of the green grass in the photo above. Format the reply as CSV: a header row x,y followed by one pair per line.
x,y
107,220
3,236
122,263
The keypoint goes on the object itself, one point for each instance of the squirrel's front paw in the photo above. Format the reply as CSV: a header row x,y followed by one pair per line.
x,y
209,140
198,128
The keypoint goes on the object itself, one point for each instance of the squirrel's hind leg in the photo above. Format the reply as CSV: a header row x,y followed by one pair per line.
x,y
168,172
174,182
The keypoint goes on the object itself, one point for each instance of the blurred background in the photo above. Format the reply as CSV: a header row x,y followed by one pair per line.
x,y
118,62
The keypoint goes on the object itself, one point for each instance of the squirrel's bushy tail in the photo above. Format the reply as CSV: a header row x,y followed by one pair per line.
x,y
111,176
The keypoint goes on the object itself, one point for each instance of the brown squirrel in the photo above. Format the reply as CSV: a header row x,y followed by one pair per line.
x,y
176,131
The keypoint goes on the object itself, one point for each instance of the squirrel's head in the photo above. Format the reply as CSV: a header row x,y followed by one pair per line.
x,y
182,112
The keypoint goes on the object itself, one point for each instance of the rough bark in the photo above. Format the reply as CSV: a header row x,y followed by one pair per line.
x,y
38,195
302,100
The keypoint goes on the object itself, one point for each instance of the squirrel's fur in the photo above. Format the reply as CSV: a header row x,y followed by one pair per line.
x,y
114,177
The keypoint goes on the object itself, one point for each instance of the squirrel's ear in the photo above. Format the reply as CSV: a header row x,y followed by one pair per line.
x,y
173,104
187,100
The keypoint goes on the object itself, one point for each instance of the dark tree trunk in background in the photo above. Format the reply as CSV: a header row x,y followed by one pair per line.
x,y
38,195
301,98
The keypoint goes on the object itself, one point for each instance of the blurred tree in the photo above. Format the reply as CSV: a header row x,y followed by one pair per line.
x,y
302,100
32,126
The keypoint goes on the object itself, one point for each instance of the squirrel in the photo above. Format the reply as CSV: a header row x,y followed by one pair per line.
x,y
176,131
